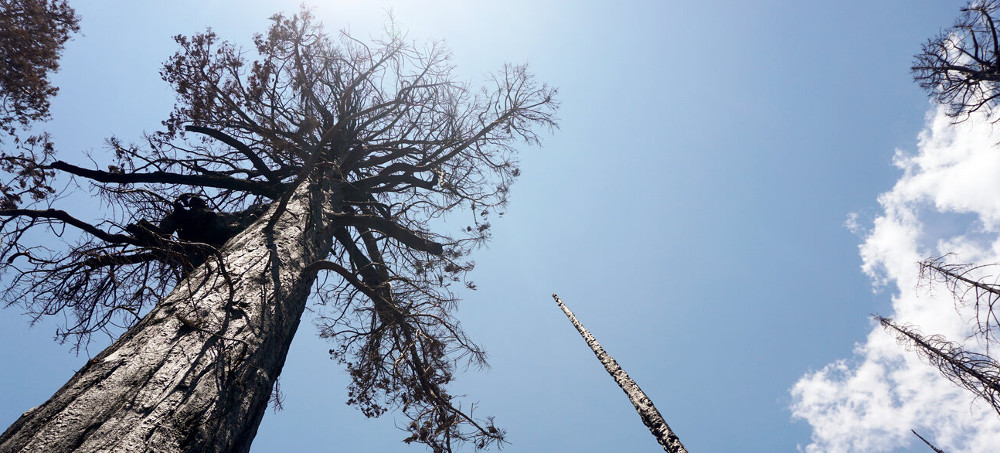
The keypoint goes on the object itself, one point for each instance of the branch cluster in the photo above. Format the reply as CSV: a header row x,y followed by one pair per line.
x,y
961,67
32,36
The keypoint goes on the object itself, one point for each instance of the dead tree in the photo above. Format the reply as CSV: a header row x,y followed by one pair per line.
x,y
960,67
643,405
972,287
355,149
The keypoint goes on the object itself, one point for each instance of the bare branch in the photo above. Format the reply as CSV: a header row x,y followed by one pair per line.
x,y
161,177
393,230
66,218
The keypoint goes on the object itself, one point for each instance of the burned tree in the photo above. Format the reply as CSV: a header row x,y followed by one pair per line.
x,y
973,288
643,405
977,373
356,150
961,67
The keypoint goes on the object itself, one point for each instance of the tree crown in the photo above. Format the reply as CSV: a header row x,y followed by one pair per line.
x,y
961,67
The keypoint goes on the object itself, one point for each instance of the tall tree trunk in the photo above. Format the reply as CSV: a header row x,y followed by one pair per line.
x,y
647,411
197,372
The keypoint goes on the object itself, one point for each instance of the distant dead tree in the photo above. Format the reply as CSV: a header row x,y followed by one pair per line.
x,y
927,442
960,67
643,405
975,288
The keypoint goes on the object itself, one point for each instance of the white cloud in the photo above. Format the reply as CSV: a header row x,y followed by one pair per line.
x,y
947,201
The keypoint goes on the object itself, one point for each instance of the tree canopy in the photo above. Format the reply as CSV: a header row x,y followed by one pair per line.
x,y
32,36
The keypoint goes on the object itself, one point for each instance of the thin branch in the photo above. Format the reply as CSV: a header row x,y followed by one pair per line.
x,y
271,191
68,219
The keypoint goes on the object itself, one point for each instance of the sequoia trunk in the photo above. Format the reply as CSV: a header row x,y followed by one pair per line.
x,y
196,373
647,411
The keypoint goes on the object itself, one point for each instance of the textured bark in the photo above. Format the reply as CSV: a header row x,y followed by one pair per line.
x,y
647,411
196,374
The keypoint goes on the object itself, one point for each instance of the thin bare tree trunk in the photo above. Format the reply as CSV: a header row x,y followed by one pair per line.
x,y
647,411
929,444
196,374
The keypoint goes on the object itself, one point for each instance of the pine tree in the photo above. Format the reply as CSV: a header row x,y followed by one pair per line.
x,y
320,165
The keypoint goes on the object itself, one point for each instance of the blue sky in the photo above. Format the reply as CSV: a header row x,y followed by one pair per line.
x,y
691,210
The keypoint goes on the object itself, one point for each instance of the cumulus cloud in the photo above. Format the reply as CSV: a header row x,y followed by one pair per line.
x,y
946,202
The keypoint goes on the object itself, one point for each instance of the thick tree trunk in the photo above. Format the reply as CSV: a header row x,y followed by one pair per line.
x,y
196,374
647,411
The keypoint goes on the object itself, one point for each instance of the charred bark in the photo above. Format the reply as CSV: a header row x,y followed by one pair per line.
x,y
643,405
196,374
